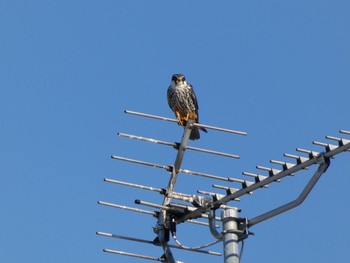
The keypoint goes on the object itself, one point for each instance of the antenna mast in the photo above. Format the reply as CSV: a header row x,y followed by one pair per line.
x,y
204,205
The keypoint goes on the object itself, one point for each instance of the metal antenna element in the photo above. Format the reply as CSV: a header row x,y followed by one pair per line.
x,y
176,145
195,124
201,208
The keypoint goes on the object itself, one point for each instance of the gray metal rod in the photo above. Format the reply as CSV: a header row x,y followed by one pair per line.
x,y
152,243
299,159
321,169
167,252
150,188
152,213
297,167
124,237
191,248
227,179
227,188
122,253
340,141
130,136
181,150
345,132
149,116
175,145
229,235
155,165
160,227
194,124
161,207
176,164
339,149
178,161
212,225
220,129
213,152
127,208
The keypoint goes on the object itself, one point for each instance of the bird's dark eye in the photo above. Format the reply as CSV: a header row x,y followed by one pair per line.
x,y
183,78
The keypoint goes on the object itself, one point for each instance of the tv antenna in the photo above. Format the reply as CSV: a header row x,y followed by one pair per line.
x,y
205,204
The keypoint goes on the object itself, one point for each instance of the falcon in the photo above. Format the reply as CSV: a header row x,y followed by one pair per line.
x,y
183,102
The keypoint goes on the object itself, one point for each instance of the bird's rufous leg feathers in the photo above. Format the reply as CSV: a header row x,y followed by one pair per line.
x,y
192,115
182,120
178,116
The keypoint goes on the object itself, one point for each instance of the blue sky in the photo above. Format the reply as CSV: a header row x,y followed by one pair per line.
x,y
276,69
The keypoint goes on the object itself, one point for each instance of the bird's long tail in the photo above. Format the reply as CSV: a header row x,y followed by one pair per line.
x,y
195,132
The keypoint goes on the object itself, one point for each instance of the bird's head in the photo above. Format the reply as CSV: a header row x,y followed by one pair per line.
x,y
178,78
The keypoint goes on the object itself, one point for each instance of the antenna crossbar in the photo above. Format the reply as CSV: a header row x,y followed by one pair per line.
x,y
174,195
220,129
177,168
227,179
176,145
166,167
150,188
156,244
122,253
152,213
213,152
128,208
345,132
149,116
194,124
172,209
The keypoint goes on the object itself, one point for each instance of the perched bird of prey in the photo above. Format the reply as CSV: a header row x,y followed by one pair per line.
x,y
183,102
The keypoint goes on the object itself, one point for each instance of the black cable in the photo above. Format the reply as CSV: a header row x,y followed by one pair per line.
x,y
241,251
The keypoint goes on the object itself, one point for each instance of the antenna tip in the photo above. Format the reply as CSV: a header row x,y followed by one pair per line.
x,y
137,201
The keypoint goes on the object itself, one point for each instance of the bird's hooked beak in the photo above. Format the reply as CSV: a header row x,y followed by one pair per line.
x,y
178,80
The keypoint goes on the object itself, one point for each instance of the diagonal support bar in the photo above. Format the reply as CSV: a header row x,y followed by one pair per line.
x,y
161,227
321,169
302,165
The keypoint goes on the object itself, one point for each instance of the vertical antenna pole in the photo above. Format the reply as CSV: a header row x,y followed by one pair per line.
x,y
230,237
162,228
178,160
